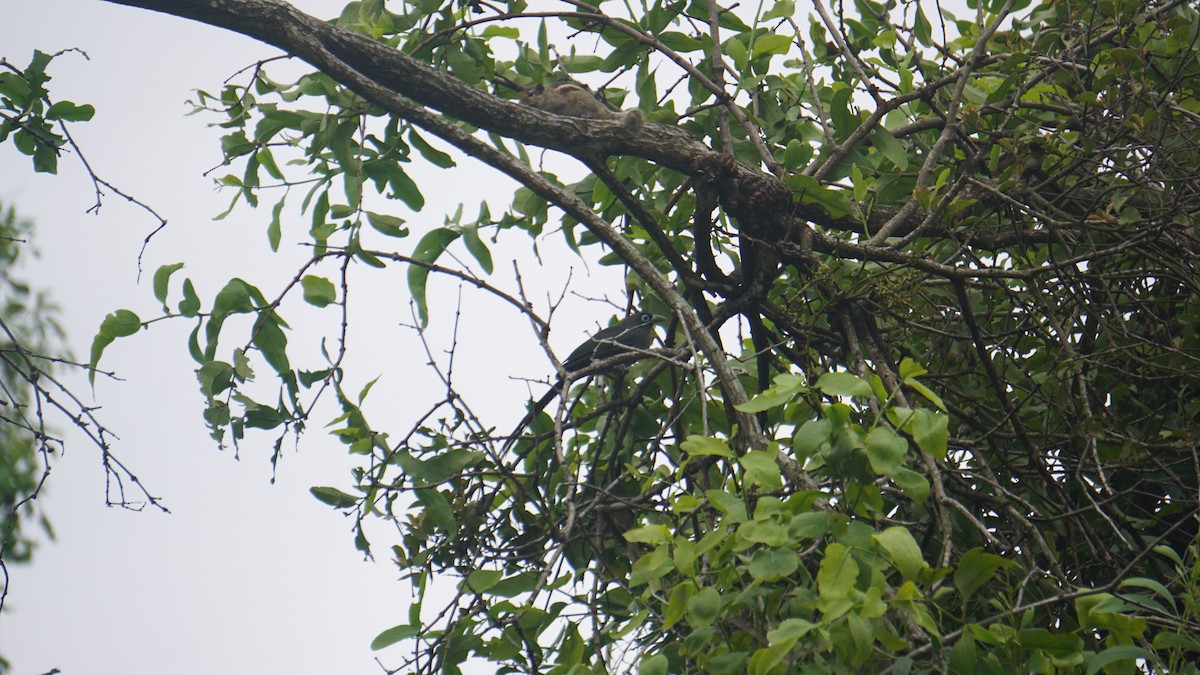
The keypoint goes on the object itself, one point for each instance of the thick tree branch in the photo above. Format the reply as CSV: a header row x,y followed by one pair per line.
x,y
348,57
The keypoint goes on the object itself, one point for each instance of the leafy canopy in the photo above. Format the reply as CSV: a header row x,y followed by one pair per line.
x,y
931,396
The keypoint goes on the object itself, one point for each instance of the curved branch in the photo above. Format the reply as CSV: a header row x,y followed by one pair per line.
x,y
348,57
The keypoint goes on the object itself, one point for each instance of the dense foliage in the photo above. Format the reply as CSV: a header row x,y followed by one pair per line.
x,y
930,392
29,331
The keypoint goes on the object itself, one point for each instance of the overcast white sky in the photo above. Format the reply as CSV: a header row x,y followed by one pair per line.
x,y
243,576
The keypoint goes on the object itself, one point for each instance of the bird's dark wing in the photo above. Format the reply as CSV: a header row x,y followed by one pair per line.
x,y
634,332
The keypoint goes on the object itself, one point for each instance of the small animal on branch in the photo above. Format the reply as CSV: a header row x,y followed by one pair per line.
x,y
566,97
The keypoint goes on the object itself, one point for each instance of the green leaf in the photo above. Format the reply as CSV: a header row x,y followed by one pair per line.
x,y
811,435
405,189
655,664
772,43
975,569
45,158
837,573
922,29
241,365
267,160
1058,644
69,112
121,323
318,291
764,401
15,87
1150,584
442,466
515,585
785,388
360,537
678,603
889,147
704,607
928,393
214,377
910,368
789,632
728,504
1119,653
334,497
234,298
1169,553
773,564
704,445
162,281
654,535
387,225
369,258
765,661
344,147
1128,216
501,31
728,663
684,554
438,508
902,549
431,154
1170,640
931,431
873,605
914,484
194,345
908,599
680,42
482,580
861,634
275,227
477,248
685,504
428,250
1114,614
735,50
860,183
190,304
270,339
764,532
651,566
835,201
885,450
762,469
843,384
784,9
964,655
845,120
259,416
810,525
393,635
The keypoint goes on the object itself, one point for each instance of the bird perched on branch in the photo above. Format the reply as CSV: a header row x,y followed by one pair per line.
x,y
631,334
634,333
